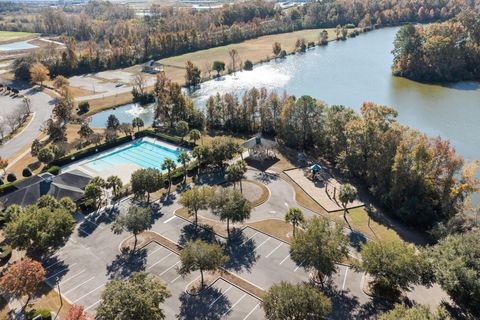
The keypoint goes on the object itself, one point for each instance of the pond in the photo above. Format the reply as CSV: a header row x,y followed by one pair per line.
x,y
124,113
20,45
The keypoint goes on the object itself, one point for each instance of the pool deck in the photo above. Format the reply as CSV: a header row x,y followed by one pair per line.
x,y
123,171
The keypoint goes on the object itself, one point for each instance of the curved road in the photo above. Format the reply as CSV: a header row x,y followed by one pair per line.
x,y
42,106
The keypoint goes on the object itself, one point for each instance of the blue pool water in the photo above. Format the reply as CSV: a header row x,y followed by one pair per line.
x,y
21,45
144,154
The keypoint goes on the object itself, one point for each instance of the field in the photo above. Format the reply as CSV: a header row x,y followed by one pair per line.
x,y
10,36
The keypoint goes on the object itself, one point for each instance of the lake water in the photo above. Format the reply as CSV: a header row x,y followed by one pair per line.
x,y
349,73
357,70
20,45
124,113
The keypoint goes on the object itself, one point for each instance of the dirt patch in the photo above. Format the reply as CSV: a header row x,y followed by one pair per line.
x,y
274,227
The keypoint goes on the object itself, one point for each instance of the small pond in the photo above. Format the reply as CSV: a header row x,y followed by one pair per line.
x,y
124,113
14,46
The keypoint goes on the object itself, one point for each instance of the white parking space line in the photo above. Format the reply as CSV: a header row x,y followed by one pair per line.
x,y
64,269
170,219
78,286
175,279
92,305
53,264
250,313
96,225
86,294
161,274
284,259
261,244
268,255
85,232
345,278
249,239
234,305
153,265
295,270
188,285
221,295
72,277
159,248
286,204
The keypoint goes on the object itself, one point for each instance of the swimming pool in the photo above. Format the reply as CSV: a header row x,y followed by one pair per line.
x,y
144,154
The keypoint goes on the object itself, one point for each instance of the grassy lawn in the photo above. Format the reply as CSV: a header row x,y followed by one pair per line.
x,y
50,300
11,36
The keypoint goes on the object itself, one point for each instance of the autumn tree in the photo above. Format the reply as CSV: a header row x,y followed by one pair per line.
x,y
202,256
319,247
192,76
139,297
286,301
39,73
3,165
60,82
277,48
233,53
23,278
77,312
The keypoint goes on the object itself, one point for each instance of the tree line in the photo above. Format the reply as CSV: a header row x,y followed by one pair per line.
x,y
104,36
419,178
439,52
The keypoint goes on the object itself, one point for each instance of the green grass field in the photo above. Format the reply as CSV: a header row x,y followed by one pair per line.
x,y
11,36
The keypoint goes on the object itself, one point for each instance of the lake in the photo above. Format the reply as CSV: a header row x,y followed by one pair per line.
x,y
357,70
349,73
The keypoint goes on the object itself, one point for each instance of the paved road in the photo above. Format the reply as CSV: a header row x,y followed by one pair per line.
x,y
42,105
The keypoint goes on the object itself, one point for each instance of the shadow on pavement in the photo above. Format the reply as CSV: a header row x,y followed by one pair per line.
x,y
343,305
357,240
266,177
240,250
191,233
55,268
211,304
126,263
375,307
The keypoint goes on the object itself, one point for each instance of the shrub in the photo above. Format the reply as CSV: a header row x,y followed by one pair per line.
x,y
54,170
11,177
5,252
27,172
248,65
83,107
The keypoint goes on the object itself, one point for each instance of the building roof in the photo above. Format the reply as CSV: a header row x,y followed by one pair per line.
x,y
69,184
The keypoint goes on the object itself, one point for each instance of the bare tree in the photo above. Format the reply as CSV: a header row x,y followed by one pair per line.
x,y
27,105
233,56
208,69
140,83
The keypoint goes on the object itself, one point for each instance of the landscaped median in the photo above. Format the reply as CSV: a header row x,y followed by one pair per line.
x,y
148,237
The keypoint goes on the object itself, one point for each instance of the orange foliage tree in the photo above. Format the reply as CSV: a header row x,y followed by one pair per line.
x,y
77,312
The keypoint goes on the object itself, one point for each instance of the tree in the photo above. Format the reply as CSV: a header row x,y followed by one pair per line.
x,y
83,107
401,312
319,247
233,53
219,66
146,181
112,122
195,199
135,221
181,129
126,129
295,217
139,297
39,73
27,105
394,266
169,165
23,278
93,193
202,256
236,172
60,82
277,48
46,155
286,301
114,183
323,37
231,206
39,229
137,123
85,131
248,65
184,157
3,165
455,262
77,312
192,76
347,194
195,135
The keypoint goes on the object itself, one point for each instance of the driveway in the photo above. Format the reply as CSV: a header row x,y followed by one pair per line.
x,y
42,106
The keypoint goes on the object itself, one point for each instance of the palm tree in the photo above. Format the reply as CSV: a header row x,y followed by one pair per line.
x,y
169,165
114,183
195,135
137,122
346,195
295,217
235,173
184,157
